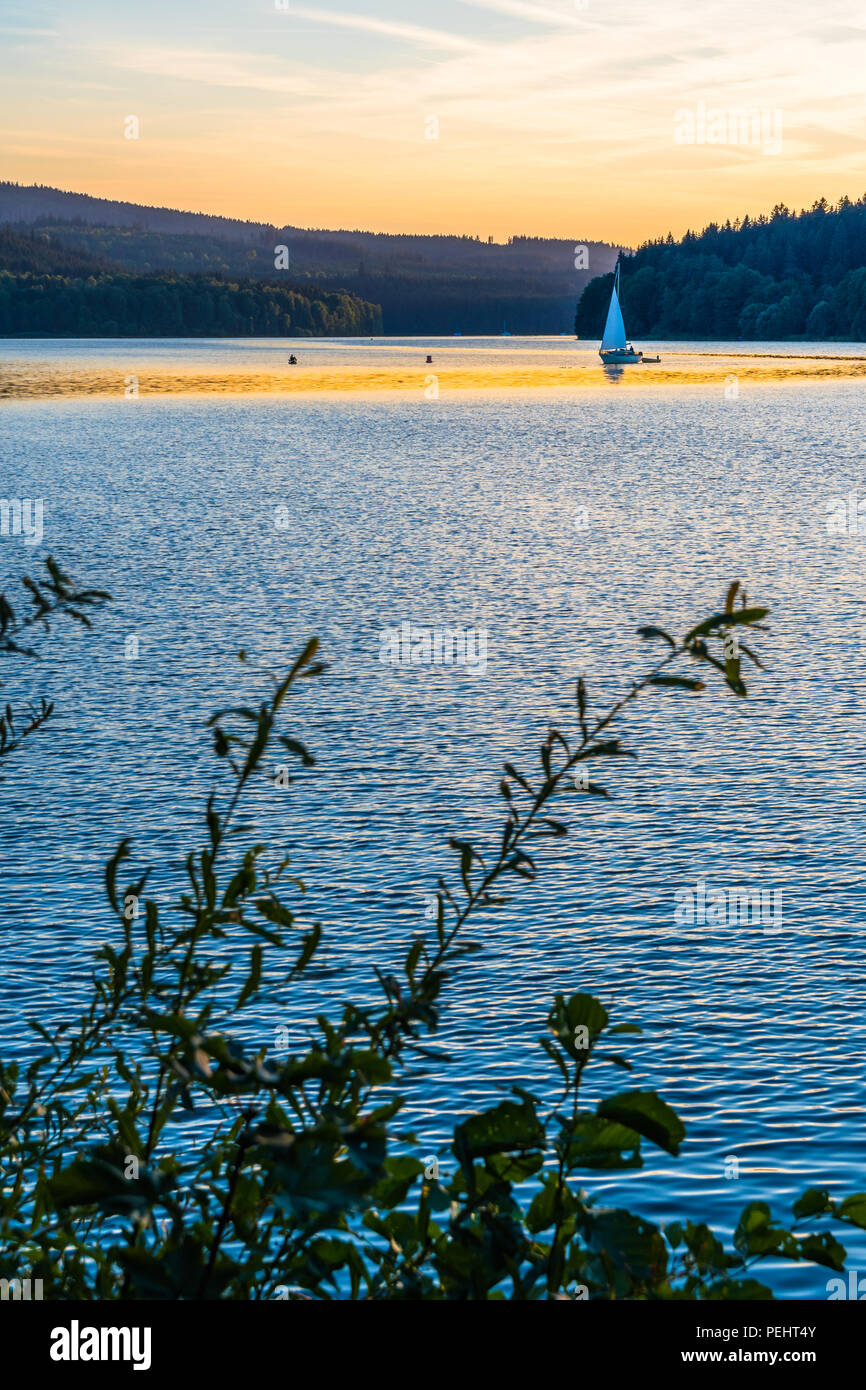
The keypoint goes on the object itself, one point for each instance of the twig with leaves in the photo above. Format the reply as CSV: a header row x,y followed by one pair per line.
x,y
50,599
299,1185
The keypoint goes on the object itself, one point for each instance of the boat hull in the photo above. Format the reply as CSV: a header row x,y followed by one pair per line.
x,y
616,357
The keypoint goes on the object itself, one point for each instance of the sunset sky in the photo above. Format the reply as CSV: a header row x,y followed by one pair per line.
x,y
555,118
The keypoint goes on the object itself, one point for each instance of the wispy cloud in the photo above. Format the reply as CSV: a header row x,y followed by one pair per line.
x,y
216,68
568,16
534,13
22,32
387,28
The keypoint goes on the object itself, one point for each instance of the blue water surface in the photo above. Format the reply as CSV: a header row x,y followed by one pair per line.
x,y
227,524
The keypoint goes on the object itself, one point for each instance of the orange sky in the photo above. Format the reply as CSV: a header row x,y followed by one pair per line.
x,y
568,118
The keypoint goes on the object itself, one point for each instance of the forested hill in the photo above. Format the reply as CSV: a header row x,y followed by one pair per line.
x,y
50,290
40,254
37,202
425,284
786,275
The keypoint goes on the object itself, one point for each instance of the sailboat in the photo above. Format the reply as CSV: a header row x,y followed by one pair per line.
x,y
615,348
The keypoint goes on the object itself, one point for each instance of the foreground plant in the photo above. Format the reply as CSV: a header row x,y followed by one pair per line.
x,y
48,599
300,1187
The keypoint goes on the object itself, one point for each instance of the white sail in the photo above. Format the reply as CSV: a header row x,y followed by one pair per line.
x,y
614,328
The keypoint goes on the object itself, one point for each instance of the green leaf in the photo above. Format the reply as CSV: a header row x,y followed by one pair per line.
x,y
679,682
272,909
594,1142
513,1168
852,1209
742,615
310,941
558,827
552,1203
581,708
148,1276
303,660
556,1056
576,1023
647,1113
746,615
632,1244
99,1181
299,750
393,1189
813,1202
507,1128
43,1033
616,1058
122,852
413,957
823,1250
757,1234
707,1252
254,978
650,633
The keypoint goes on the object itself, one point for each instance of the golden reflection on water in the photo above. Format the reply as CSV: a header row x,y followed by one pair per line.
x,y
40,380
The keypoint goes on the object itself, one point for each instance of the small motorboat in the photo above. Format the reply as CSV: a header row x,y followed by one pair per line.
x,y
293,361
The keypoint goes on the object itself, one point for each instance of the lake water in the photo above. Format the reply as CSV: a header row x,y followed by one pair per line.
x,y
557,521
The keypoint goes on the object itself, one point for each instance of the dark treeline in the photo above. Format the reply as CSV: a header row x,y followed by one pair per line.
x,y
420,292
786,275
48,288
143,306
426,284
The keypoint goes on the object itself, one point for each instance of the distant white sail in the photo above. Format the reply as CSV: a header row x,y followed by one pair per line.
x,y
614,329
